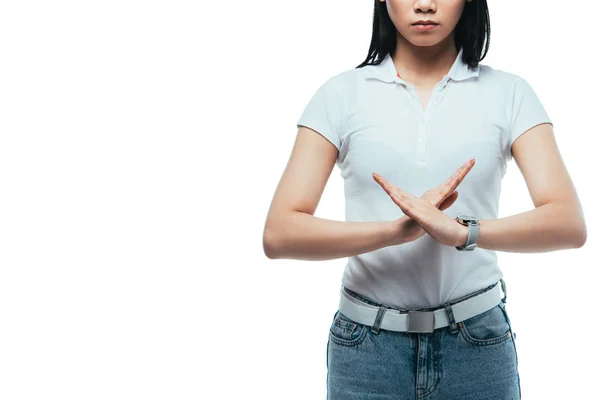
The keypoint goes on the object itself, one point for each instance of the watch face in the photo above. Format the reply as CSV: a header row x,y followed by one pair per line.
x,y
467,220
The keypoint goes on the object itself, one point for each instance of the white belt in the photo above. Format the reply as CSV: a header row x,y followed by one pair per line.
x,y
418,321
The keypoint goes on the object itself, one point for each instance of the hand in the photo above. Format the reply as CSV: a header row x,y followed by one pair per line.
x,y
422,215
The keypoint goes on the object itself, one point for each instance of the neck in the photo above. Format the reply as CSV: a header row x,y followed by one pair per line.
x,y
424,65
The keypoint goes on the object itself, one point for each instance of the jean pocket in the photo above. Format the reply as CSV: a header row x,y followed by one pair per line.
x,y
488,328
346,332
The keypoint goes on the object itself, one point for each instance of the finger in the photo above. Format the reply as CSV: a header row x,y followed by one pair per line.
x,y
451,184
414,210
441,192
391,188
405,206
443,189
405,195
449,201
383,183
461,172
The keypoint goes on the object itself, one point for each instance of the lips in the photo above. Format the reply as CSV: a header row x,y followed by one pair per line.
x,y
424,23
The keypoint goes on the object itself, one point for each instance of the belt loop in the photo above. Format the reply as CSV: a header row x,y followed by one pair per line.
x,y
378,318
503,290
453,325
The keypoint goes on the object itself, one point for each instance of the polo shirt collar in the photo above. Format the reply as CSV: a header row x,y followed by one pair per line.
x,y
386,71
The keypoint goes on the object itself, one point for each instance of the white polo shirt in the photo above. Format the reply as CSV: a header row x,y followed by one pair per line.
x,y
378,124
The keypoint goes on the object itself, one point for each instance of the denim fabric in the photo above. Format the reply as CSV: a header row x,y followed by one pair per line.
x,y
476,362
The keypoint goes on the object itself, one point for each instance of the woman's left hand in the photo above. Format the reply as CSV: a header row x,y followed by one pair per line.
x,y
435,222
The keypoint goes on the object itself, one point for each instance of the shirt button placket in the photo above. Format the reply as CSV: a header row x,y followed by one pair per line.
x,y
423,123
422,139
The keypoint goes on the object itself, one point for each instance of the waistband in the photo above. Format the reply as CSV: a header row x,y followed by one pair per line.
x,y
369,301
367,312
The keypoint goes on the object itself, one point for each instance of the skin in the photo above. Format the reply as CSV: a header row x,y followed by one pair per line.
x,y
422,58
422,213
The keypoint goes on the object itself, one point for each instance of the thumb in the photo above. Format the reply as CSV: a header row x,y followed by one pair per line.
x,y
448,201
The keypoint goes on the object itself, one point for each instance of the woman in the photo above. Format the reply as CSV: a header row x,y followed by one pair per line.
x,y
422,303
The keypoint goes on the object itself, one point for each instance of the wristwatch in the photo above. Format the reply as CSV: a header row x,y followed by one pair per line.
x,y
473,234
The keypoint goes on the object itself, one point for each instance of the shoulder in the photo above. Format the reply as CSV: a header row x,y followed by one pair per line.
x,y
507,85
345,79
498,77
342,86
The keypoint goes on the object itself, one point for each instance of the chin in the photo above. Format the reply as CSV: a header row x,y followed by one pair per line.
x,y
425,40
424,43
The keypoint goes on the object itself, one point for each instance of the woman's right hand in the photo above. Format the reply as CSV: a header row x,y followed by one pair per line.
x,y
442,196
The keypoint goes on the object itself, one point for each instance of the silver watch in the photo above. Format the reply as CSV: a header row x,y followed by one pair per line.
x,y
473,224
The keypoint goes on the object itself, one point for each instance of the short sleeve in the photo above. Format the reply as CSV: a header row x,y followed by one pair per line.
x,y
527,112
324,112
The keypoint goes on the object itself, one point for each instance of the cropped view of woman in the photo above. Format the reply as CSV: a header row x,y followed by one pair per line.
x,y
422,133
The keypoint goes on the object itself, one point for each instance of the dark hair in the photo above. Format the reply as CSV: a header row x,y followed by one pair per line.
x,y
472,32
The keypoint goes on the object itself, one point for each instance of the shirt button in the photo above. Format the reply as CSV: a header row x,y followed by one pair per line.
x,y
420,140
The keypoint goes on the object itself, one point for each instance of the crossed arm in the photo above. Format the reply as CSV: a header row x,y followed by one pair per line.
x,y
557,221
292,230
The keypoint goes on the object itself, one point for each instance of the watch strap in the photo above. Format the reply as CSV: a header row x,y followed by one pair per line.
x,y
472,236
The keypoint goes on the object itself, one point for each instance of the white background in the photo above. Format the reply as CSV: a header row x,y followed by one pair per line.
x,y
141,143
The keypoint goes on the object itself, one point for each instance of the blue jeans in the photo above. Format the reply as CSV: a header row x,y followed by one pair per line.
x,y
476,360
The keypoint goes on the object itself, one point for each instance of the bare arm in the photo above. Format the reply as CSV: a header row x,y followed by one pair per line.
x,y
557,222
291,229
303,236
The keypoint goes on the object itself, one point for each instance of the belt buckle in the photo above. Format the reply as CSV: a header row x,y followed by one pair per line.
x,y
420,321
